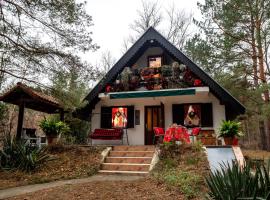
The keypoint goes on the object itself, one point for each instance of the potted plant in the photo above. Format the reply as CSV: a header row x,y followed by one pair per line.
x,y
229,130
53,128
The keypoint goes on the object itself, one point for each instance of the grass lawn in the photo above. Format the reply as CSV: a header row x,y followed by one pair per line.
x,y
178,175
70,162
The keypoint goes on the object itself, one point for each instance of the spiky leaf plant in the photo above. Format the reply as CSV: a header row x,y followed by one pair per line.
x,y
17,155
234,182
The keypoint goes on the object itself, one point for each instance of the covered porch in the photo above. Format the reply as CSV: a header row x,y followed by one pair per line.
x,y
160,108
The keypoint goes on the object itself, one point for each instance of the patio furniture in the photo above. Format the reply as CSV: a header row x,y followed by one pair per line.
x,y
158,132
194,132
108,134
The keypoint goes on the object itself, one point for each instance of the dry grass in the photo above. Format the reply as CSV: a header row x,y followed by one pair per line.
x,y
70,162
256,154
144,189
187,160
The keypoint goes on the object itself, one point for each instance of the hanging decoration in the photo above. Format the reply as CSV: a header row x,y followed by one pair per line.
x,y
154,78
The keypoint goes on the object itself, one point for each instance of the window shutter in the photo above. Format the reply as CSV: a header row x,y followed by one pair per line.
x,y
130,114
178,113
207,115
106,117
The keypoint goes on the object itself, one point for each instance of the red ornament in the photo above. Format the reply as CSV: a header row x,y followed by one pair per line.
x,y
197,82
108,88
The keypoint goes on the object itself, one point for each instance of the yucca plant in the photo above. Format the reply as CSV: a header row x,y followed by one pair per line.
x,y
234,182
17,155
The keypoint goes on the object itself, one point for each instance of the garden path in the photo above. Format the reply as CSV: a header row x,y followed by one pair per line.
x,y
10,192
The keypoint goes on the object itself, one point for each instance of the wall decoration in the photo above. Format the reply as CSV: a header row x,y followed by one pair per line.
x,y
192,115
119,117
137,117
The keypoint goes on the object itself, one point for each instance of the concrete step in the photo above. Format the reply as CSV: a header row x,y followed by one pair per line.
x,y
134,148
140,173
131,153
138,160
125,167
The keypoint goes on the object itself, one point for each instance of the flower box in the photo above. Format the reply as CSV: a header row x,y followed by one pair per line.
x,y
208,140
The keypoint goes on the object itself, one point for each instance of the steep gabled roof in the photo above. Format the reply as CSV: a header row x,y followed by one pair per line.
x,y
150,37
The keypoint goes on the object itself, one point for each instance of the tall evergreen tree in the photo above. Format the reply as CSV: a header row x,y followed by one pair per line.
x,y
237,40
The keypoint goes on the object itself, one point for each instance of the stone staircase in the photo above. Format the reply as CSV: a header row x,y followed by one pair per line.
x,y
128,160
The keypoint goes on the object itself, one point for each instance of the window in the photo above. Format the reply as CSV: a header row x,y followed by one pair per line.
x,y
154,61
201,114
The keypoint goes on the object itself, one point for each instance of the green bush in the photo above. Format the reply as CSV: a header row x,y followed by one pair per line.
x,y
53,127
79,129
232,182
17,155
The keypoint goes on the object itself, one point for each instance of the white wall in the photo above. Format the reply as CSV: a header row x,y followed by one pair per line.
x,y
136,134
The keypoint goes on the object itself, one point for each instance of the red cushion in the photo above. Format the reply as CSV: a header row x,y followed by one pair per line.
x,y
107,134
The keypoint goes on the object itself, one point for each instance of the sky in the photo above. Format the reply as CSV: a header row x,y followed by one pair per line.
x,y
111,20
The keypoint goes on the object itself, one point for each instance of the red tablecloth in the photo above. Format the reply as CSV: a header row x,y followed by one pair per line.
x,y
178,133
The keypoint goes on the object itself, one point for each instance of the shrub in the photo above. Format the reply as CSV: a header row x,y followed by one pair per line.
x,y
79,129
17,155
53,127
232,182
169,150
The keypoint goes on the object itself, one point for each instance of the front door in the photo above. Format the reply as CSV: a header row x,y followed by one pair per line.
x,y
154,117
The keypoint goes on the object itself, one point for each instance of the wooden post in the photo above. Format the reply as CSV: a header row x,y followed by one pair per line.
x,y
20,120
62,116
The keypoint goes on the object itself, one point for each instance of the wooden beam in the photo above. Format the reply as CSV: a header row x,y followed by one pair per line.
x,y
20,120
62,115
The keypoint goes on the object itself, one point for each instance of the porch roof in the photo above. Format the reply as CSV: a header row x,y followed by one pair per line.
x,y
154,93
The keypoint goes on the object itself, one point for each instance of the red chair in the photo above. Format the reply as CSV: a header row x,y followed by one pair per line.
x,y
195,131
158,132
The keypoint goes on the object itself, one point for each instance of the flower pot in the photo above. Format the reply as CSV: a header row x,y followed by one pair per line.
x,y
51,139
228,140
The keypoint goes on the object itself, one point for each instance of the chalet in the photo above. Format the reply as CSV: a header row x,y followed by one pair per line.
x,y
155,85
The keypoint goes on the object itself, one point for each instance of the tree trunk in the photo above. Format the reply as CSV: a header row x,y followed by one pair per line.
x,y
254,52
263,78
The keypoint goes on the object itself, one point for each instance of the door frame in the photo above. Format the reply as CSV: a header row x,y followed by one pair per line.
x,y
145,116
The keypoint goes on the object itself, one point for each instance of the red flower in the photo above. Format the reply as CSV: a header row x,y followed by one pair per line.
x,y
167,138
